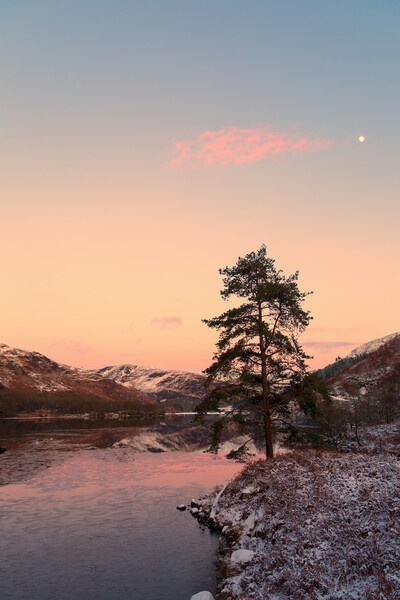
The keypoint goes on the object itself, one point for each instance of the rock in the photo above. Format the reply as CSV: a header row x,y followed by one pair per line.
x,y
194,511
181,507
242,556
203,596
194,504
247,493
2,450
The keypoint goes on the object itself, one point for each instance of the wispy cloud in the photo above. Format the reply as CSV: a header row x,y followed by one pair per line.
x,y
167,322
233,146
130,329
71,346
326,347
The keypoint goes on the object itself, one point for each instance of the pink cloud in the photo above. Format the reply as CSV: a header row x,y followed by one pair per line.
x,y
233,146
326,347
165,322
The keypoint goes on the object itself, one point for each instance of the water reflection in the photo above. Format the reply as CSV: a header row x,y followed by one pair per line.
x,y
103,525
14,427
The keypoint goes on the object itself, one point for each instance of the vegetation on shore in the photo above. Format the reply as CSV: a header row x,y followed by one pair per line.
x,y
313,525
14,402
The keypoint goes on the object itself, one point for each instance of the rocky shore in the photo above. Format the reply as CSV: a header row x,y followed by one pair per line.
x,y
309,525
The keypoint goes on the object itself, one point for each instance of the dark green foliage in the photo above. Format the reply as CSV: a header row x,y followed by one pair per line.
x,y
14,402
241,454
295,437
337,367
259,367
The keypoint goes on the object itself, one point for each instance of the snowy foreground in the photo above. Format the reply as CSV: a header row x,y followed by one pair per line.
x,y
310,525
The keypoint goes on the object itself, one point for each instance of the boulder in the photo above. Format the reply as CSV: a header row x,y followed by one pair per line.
x,y
181,507
242,556
203,596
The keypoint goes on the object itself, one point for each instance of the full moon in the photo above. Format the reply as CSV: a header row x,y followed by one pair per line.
x,y
361,138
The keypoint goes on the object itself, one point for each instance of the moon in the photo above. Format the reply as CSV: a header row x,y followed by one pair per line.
x,y
361,138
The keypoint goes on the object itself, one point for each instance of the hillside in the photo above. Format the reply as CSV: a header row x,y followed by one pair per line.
x,y
354,356
309,525
179,389
365,391
371,371
30,380
373,377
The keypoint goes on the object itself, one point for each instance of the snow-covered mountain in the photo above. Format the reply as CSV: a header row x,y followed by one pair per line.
x,y
369,369
31,373
372,372
355,355
179,389
369,347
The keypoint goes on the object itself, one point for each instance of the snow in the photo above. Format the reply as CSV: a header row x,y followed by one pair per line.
x,y
216,500
229,445
374,439
242,556
250,522
185,440
150,380
203,596
320,525
371,346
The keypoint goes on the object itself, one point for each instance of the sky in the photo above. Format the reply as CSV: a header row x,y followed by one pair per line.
x,y
146,144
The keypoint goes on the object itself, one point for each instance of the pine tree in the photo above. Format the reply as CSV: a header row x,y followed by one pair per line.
x,y
259,368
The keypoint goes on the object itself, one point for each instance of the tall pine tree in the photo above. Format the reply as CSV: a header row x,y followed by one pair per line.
x,y
259,368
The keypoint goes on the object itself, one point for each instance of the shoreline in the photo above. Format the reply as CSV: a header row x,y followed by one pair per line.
x,y
313,525
325,513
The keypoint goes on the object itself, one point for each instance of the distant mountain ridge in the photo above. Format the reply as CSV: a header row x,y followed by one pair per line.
x,y
32,375
372,376
371,368
182,390
355,355
369,347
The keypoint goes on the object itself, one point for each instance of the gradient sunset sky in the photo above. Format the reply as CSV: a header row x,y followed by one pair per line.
x,y
145,144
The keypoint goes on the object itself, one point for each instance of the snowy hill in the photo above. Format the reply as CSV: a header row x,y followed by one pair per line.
x,y
355,355
309,525
369,347
30,373
372,375
179,389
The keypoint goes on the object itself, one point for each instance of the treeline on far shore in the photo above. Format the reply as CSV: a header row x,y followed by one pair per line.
x,y
14,402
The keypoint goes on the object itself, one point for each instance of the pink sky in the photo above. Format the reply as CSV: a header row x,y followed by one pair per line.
x,y
145,145
129,284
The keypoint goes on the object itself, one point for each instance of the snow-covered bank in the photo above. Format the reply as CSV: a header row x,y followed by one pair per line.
x,y
373,439
318,525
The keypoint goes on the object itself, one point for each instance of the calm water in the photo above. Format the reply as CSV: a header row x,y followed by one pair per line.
x,y
103,525
26,428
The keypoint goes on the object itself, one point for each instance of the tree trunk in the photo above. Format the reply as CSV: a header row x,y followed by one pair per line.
x,y
269,450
